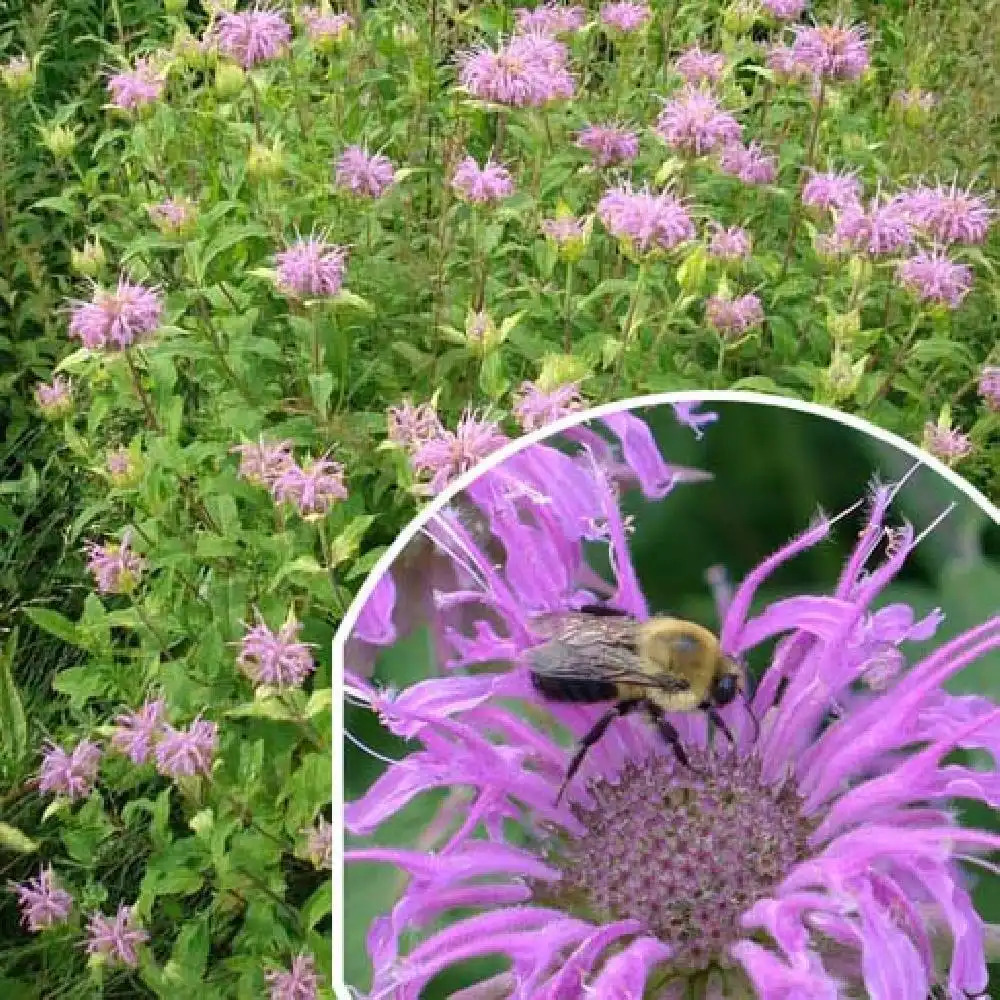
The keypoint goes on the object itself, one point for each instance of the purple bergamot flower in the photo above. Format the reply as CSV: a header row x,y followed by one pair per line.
x,y
529,71
947,443
364,175
117,320
536,407
989,386
624,16
43,902
732,243
409,425
785,10
732,317
933,277
831,190
819,857
55,400
311,268
832,51
947,214
117,939
71,774
183,753
695,124
137,732
253,36
137,87
696,66
750,163
450,453
312,488
301,982
883,228
550,19
649,221
115,567
264,462
484,185
609,145
277,659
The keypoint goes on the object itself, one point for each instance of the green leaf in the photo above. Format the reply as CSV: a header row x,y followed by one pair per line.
x,y
55,624
14,840
13,726
79,684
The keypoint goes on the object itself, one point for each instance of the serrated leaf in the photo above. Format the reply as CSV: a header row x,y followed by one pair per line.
x,y
55,624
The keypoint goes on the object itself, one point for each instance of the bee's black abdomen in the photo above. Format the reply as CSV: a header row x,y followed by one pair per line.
x,y
573,689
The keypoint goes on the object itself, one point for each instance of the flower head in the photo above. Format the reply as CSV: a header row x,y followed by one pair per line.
x,y
44,903
732,243
299,983
116,568
832,190
277,659
137,87
785,10
624,16
732,317
832,51
565,231
989,386
484,185
450,453
649,221
264,462
311,268
946,214
535,407
137,732
946,443
816,857
935,278
883,228
313,487
785,63
696,66
750,163
71,774
117,939
694,123
320,844
55,400
364,175
609,145
529,71
183,753
550,18
409,425
688,415
326,29
253,36
117,320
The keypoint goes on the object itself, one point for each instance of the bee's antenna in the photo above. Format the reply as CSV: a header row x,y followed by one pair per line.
x,y
750,712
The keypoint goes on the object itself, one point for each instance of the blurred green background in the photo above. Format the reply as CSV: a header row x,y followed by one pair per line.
x,y
772,470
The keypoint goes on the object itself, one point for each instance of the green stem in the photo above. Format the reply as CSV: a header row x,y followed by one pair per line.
x,y
147,404
810,155
629,325
568,309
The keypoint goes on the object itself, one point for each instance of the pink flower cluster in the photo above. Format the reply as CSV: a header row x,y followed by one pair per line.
x,y
301,982
535,408
530,71
551,19
137,87
172,216
648,221
732,317
362,174
696,66
946,443
115,567
275,658
732,243
484,185
118,938
947,214
883,228
831,190
625,17
311,268
43,902
694,123
989,386
935,278
71,774
253,36
117,320
785,10
146,735
56,399
325,28
831,52
610,145
563,229
750,163
312,487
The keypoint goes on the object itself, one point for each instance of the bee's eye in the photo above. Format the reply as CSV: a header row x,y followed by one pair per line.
x,y
724,689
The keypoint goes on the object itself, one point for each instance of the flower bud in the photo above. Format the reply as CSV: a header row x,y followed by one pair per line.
x,y
560,369
480,333
842,379
739,17
18,75
56,400
844,326
265,162
88,261
692,271
124,468
175,7
229,80
59,140
859,269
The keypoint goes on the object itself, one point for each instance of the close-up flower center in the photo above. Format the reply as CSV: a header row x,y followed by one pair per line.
x,y
685,851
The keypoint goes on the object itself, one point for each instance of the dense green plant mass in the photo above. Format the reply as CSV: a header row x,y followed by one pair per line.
x,y
360,250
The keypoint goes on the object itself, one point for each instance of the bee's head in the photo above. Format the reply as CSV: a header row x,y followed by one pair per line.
x,y
726,685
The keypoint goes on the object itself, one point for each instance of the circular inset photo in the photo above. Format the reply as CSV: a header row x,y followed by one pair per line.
x,y
680,698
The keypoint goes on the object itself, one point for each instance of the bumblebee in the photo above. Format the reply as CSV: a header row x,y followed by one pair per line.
x,y
662,665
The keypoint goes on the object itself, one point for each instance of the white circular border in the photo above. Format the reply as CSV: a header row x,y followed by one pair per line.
x,y
341,990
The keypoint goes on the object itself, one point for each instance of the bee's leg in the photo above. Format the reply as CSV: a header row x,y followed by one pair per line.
x,y
668,731
720,722
596,732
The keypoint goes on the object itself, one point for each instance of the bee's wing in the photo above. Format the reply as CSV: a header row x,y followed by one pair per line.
x,y
587,647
